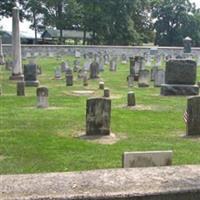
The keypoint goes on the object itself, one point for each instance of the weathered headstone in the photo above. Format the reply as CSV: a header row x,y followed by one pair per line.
x,y
2,61
144,77
17,73
146,159
64,66
131,99
187,42
98,114
69,77
76,65
101,85
85,79
159,78
42,97
113,65
130,80
94,70
106,92
77,54
21,88
123,59
180,78
193,116
30,75
58,73
153,73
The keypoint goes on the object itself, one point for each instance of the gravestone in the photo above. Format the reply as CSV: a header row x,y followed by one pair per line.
x,y
21,88
153,73
106,93
146,159
69,77
180,78
138,65
101,85
130,80
94,70
144,77
58,73
42,97
30,75
113,65
131,99
2,61
187,42
17,72
77,54
76,65
193,116
64,66
159,78
85,79
98,114
123,59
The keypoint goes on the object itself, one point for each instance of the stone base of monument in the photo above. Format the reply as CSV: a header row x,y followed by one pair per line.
x,y
32,83
176,90
143,85
16,77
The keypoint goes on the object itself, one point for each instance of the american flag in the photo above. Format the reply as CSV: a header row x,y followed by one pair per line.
x,y
185,117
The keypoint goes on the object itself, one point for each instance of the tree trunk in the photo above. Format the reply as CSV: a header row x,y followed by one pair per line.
x,y
35,27
84,37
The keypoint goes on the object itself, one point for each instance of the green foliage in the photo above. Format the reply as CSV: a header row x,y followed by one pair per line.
x,y
175,20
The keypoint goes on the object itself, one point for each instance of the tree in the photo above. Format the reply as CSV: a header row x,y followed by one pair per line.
x,y
174,21
34,13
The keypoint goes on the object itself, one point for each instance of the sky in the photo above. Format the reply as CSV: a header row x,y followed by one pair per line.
x,y
6,23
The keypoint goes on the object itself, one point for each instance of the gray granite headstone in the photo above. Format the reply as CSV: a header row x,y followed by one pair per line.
x,y
187,42
21,88
94,70
98,114
69,77
159,78
58,73
144,78
30,75
180,78
153,72
193,116
131,99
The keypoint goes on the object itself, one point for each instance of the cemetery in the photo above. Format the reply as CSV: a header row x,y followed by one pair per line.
x,y
99,122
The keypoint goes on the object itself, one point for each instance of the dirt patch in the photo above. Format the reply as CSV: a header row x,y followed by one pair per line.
x,y
2,158
83,92
189,137
107,139
49,108
137,107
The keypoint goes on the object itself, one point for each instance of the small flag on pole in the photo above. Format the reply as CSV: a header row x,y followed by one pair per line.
x,y
185,117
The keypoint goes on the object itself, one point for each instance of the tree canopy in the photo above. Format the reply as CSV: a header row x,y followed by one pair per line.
x,y
114,22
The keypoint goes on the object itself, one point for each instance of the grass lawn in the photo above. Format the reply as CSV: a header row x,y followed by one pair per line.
x,y
43,140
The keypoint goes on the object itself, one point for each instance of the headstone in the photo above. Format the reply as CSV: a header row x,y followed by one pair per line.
x,y
64,66
153,73
77,54
187,42
58,73
193,116
30,75
136,66
98,114
123,59
9,65
106,92
2,61
42,97
180,78
69,77
101,64
21,88
144,77
17,73
153,51
101,85
146,159
94,70
86,65
130,80
85,79
76,65
159,78
131,99
113,65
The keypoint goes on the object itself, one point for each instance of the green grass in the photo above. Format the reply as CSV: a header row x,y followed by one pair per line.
x,y
41,140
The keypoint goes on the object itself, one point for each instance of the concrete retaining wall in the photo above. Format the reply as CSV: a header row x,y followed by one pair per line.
x,y
163,183
36,50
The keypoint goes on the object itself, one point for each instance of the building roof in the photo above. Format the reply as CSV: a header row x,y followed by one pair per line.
x,y
69,34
